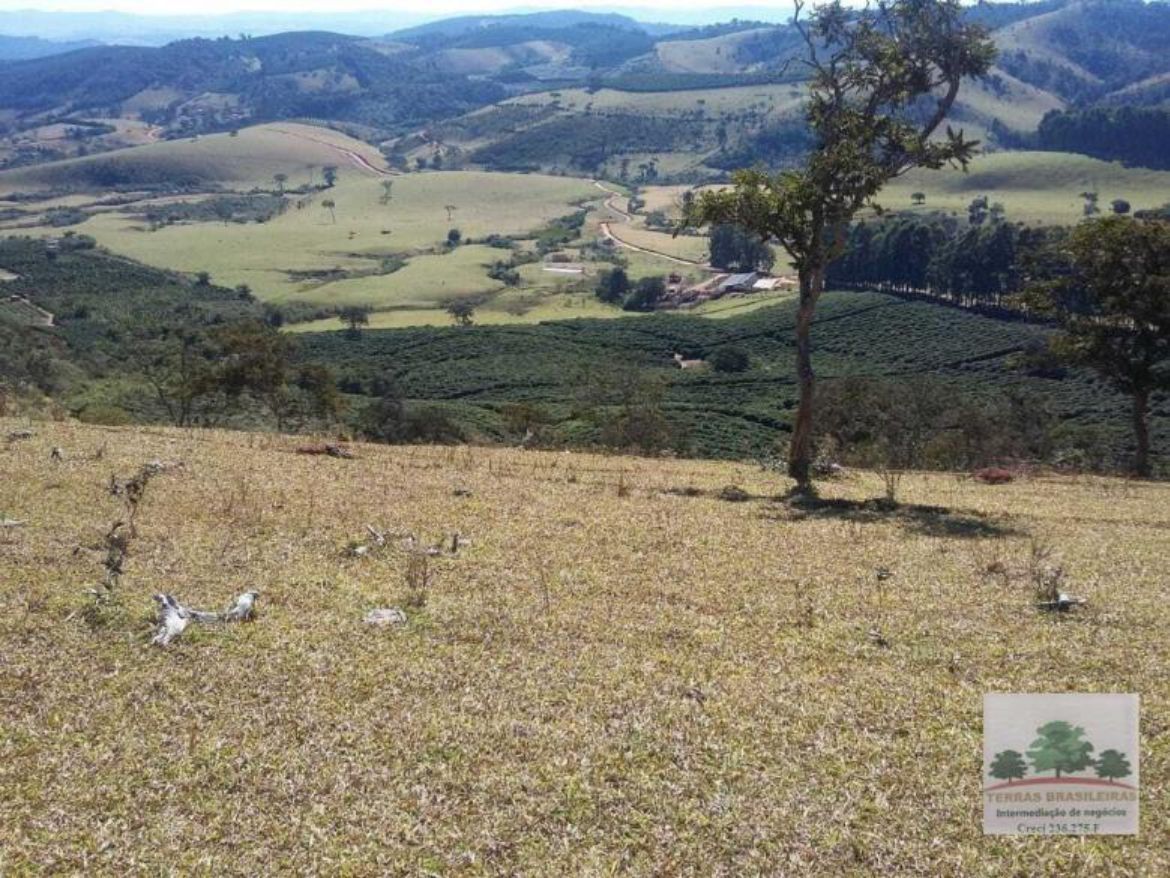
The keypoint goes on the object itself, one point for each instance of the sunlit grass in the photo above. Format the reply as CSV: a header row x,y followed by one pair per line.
x,y
613,678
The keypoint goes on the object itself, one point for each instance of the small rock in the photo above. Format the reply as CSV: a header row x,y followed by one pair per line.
x,y
384,616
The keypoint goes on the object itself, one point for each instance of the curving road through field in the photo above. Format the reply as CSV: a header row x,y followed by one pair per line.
x,y
607,230
355,158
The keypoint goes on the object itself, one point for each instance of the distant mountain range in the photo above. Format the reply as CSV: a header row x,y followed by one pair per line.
x,y
23,48
1055,56
121,28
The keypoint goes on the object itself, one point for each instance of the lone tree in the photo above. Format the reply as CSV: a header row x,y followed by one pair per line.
x,y
462,311
1060,748
1009,765
387,192
330,205
1114,308
612,285
354,317
329,173
918,197
872,73
280,180
1112,764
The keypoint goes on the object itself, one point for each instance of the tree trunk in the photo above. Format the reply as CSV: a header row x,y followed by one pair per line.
x,y
800,450
1141,430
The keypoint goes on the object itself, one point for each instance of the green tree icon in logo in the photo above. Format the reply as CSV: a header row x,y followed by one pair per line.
x,y
1060,748
1112,764
1008,765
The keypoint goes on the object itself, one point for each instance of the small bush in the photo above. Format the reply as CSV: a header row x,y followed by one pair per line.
x,y
105,415
730,359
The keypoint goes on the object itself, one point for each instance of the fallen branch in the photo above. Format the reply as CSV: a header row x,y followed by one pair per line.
x,y
174,617
10,522
1063,603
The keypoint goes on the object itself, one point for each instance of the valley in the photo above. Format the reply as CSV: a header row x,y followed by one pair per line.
x,y
562,443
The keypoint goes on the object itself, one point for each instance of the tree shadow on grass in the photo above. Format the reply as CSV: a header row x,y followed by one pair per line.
x,y
915,518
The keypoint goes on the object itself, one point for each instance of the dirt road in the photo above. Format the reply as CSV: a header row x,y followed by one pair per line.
x,y
607,230
355,158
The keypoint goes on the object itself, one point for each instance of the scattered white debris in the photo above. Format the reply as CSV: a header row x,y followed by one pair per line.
x,y
174,617
385,616
1064,603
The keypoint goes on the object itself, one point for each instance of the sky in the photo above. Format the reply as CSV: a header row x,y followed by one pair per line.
x,y
444,7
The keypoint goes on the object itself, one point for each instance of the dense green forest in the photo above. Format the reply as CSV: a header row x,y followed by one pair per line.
x,y
980,260
1132,135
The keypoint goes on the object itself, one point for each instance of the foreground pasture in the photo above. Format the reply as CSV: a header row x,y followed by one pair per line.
x,y
622,673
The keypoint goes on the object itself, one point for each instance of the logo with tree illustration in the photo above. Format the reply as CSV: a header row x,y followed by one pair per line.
x,y
1061,748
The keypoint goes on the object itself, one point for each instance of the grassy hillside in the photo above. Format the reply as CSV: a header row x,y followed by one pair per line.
x,y
249,158
379,247
1089,50
1034,187
310,253
611,678
691,133
200,85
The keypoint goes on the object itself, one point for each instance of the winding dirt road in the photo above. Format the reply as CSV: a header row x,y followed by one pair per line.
x,y
607,230
355,158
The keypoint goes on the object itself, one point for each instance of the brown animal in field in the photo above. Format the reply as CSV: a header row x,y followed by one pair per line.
x,y
994,475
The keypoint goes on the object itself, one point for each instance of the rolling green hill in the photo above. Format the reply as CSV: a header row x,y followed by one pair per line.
x,y
249,158
1089,50
197,85
423,91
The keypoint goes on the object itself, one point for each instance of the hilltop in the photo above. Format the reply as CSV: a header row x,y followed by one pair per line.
x,y
725,684
450,87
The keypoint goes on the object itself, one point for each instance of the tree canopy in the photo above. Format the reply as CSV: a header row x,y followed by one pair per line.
x,y
1114,306
882,81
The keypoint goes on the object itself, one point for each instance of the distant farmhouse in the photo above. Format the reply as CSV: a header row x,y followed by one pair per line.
x,y
681,295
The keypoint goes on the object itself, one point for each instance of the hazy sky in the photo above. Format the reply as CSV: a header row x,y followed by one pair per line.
x,y
213,7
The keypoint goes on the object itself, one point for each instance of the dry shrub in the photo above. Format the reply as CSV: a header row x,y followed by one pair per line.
x,y
418,581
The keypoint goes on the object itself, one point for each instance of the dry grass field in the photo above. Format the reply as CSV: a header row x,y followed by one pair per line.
x,y
612,678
